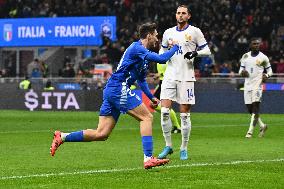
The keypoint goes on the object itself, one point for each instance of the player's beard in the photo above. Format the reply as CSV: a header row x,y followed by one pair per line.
x,y
155,47
152,46
181,22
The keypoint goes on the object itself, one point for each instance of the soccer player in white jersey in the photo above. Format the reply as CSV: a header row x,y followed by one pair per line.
x,y
253,64
178,83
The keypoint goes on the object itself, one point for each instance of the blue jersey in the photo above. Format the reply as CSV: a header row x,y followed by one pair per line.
x,y
133,67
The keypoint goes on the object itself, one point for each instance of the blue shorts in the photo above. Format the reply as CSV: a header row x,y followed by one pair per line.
x,y
118,100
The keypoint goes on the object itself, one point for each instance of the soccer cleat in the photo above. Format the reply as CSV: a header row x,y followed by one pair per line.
x,y
166,151
249,135
176,130
154,162
183,155
262,131
57,141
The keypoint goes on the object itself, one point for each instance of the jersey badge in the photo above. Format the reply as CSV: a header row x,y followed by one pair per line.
x,y
187,37
260,63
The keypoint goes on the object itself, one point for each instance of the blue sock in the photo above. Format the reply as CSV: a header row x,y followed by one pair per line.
x,y
75,137
147,142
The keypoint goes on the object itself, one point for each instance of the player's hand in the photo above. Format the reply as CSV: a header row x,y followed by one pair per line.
x,y
154,103
172,43
244,73
264,77
190,55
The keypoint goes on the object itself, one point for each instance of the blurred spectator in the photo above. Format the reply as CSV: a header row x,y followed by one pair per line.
x,y
25,84
99,85
68,71
235,66
280,66
36,73
34,69
84,86
48,86
206,66
67,60
4,73
242,43
222,54
225,70
227,24
44,68
105,59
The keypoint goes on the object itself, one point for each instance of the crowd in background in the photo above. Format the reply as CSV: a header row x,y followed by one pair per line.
x,y
227,25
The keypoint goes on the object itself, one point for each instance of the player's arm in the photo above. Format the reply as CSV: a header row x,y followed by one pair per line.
x,y
141,80
268,69
203,52
166,45
202,49
243,72
161,58
144,86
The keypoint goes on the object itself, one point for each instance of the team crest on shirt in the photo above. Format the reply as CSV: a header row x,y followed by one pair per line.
x,y
260,63
187,37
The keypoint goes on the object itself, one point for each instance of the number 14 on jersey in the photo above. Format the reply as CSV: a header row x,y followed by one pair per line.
x,y
179,51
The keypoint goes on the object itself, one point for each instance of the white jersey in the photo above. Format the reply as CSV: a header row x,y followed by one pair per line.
x,y
189,39
255,66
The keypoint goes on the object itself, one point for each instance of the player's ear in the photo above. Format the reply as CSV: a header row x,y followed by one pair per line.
x,y
148,36
189,16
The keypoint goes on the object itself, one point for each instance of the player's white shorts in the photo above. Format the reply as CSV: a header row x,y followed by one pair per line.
x,y
252,96
181,92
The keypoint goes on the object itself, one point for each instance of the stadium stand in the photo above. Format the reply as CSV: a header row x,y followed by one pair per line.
x,y
227,25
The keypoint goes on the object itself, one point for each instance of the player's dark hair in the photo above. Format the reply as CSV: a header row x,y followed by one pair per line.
x,y
145,29
254,39
185,6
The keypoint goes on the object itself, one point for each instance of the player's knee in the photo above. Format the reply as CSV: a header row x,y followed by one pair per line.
x,y
148,117
102,136
165,112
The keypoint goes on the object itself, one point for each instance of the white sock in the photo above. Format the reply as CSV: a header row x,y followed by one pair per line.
x,y
185,130
261,124
252,124
166,125
63,136
146,158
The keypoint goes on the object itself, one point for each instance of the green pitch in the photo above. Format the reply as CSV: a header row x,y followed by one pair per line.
x,y
220,156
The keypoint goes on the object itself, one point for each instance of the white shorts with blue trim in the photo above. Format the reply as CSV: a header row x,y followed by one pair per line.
x,y
252,96
181,92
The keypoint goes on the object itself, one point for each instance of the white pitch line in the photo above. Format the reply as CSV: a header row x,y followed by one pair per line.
x,y
134,169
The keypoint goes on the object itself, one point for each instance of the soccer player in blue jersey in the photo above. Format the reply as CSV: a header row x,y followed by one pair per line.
x,y
119,98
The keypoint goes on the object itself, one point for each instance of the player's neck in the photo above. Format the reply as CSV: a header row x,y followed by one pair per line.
x,y
144,43
254,53
182,26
